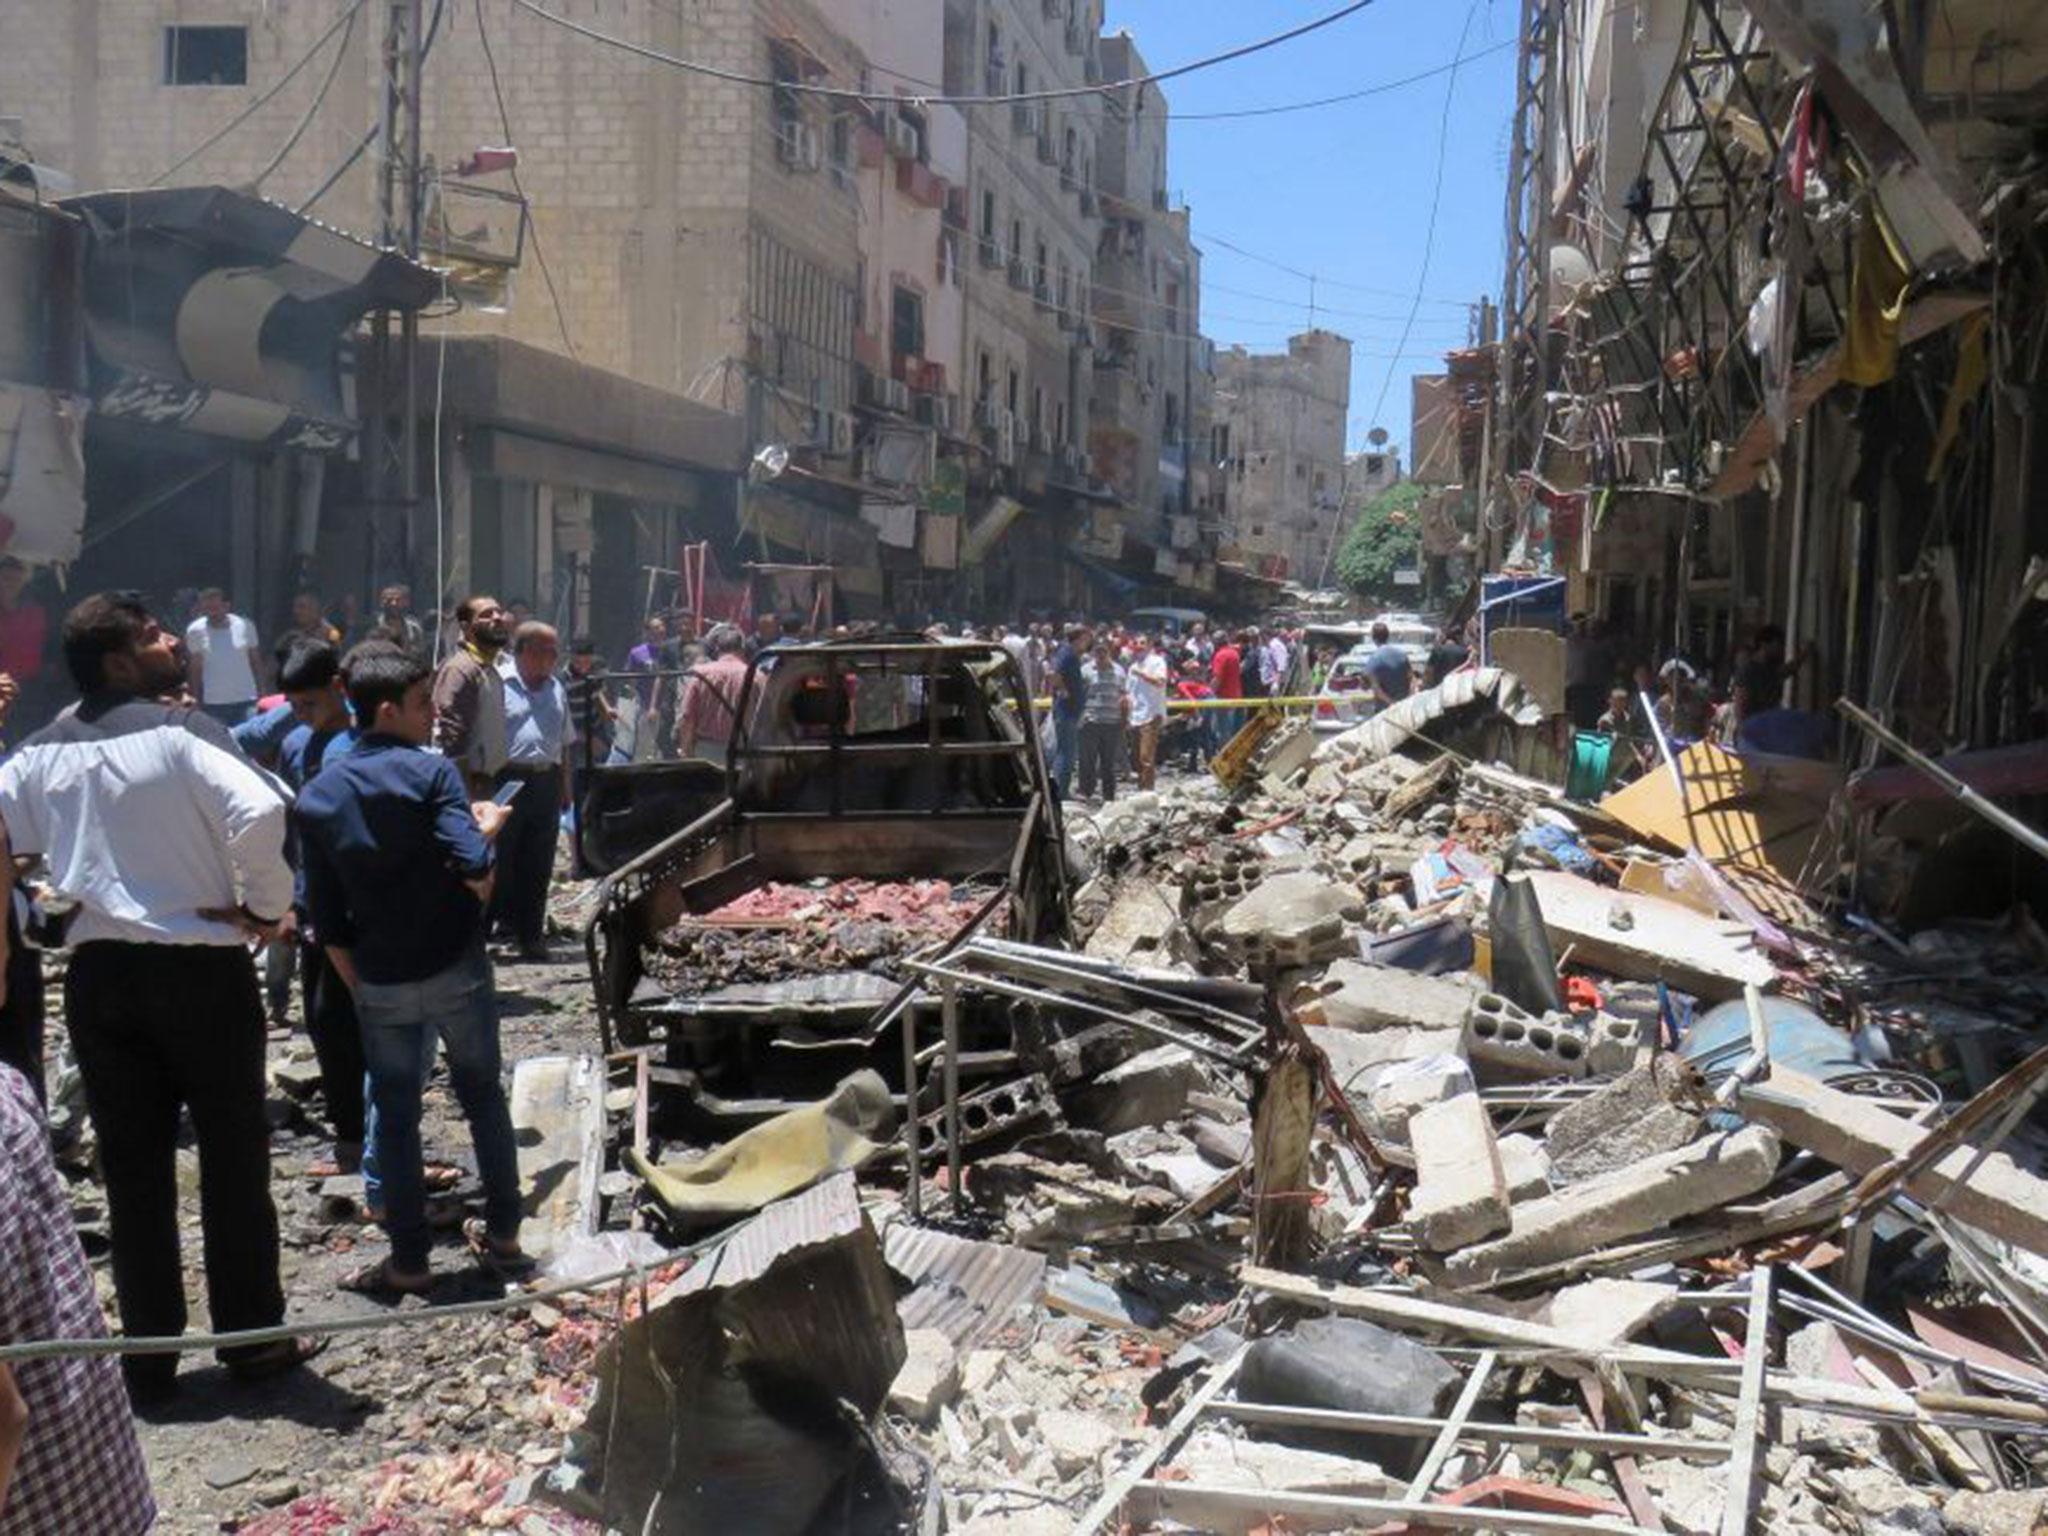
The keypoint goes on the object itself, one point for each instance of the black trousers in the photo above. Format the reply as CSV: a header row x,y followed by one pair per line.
x,y
526,857
337,1041
21,1015
159,1028
1102,748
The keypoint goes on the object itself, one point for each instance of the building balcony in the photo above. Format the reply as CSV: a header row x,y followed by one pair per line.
x,y
921,184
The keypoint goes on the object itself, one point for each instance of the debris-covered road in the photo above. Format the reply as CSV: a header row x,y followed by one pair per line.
x,y
1397,1135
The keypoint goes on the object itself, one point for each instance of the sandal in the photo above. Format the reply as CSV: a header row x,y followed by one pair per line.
x,y
276,1359
378,1282
515,1264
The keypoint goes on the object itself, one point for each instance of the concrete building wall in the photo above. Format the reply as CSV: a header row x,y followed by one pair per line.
x,y
651,190
1151,374
1024,348
1286,416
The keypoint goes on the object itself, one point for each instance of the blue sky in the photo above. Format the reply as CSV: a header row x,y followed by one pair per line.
x,y
1340,191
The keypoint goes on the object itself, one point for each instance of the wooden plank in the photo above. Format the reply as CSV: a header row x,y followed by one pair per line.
x,y
1447,1438
558,1121
1119,1487
1749,1407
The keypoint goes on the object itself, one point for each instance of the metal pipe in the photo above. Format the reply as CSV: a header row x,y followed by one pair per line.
x,y
1997,815
914,1192
949,1012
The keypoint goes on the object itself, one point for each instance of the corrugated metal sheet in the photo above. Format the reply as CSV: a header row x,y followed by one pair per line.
x,y
965,1289
820,1214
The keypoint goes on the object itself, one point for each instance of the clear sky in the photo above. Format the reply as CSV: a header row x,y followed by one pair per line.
x,y
1341,191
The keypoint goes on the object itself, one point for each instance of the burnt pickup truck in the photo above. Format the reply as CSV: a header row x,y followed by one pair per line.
x,y
880,794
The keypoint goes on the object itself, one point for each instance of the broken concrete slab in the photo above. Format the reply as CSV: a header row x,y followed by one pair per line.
x,y
1291,920
1858,1135
930,1377
1149,1089
558,1120
1355,994
1606,1310
1648,938
1137,925
1419,788
1461,1193
1078,1441
1396,1093
1527,1166
1627,1203
1625,1121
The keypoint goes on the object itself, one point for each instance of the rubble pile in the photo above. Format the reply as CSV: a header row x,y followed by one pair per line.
x,y
1396,1145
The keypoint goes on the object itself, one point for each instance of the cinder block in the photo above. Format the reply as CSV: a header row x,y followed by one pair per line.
x,y
1500,1035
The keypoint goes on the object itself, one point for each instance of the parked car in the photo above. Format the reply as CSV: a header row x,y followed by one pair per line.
x,y
1346,697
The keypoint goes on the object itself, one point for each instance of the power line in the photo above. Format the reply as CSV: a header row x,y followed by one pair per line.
x,y
505,119
1436,197
1331,101
319,99
241,117
841,93
1203,237
369,138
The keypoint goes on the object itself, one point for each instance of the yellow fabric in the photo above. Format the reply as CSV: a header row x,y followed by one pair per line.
x,y
1973,367
1877,299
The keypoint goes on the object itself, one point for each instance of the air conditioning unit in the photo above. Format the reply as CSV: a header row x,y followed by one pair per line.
x,y
1006,437
1019,278
990,415
1041,439
902,136
1073,460
991,252
896,396
841,430
1041,292
944,411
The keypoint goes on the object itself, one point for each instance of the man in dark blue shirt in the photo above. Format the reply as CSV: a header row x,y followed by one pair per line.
x,y
322,733
398,872
1069,693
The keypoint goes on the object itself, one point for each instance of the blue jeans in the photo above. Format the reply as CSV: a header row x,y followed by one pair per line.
x,y
1066,750
401,1022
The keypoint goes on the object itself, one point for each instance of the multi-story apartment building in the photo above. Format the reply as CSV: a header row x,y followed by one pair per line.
x,y
1153,374
1283,417
1032,217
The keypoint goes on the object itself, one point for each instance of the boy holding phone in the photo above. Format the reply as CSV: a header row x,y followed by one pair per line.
x,y
398,873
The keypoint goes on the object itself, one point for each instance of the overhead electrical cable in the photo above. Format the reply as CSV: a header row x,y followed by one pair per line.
x,y
505,119
1436,197
842,93
319,99
369,138
1331,101
346,18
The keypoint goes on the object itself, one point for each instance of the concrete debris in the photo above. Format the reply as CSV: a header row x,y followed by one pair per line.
x,y
1149,1089
1507,1039
1290,921
1395,1094
1626,1203
1354,994
1640,1114
1461,1192
1525,1162
930,1377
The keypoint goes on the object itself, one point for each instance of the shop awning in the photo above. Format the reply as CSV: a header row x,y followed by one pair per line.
x,y
220,313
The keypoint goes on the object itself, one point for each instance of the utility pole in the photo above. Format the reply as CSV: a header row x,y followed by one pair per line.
x,y
391,447
1525,294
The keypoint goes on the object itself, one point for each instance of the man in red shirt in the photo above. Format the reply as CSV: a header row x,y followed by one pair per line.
x,y
1226,676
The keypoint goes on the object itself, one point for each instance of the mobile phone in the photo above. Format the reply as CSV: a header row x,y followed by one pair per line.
x,y
509,791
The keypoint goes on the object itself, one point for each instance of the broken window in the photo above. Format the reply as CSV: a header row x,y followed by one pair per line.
x,y
206,55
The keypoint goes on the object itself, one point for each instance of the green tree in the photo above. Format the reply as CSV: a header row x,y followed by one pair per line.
x,y
1387,535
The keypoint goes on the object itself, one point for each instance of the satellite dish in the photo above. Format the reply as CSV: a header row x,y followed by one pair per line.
x,y
1377,437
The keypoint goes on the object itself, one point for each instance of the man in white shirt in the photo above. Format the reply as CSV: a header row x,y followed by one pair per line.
x,y
1148,706
172,846
220,647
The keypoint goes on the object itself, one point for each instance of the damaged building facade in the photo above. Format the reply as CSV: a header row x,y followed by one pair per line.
x,y
676,271
1281,420
1769,295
